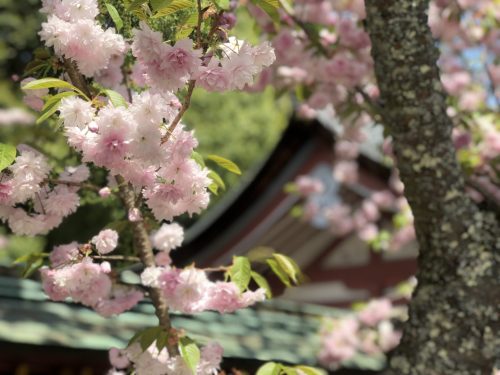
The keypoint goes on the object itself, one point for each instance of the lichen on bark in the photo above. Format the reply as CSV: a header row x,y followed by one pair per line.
x,y
454,313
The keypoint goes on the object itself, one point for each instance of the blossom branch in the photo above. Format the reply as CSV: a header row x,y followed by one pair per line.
x,y
198,26
143,245
192,83
76,78
216,269
140,234
73,183
117,257
184,108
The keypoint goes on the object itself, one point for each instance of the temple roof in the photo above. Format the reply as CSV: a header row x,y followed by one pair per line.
x,y
275,330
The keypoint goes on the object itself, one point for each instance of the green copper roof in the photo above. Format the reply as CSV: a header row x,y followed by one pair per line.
x,y
275,330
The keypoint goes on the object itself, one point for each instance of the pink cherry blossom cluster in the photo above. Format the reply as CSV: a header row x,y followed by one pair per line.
x,y
128,142
74,274
153,361
365,218
189,290
74,34
165,239
307,185
369,332
28,202
169,68
329,78
331,70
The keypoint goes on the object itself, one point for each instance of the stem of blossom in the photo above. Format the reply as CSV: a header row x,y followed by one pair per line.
x,y
491,84
73,183
187,100
216,269
140,234
177,119
375,107
198,26
117,257
41,204
75,77
143,245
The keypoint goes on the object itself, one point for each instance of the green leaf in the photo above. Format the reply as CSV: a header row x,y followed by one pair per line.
x,y
135,4
148,336
225,163
307,370
240,272
214,188
47,111
173,6
158,4
262,283
7,155
288,370
297,211
134,338
31,266
288,265
270,7
115,16
161,340
115,98
187,27
47,83
222,4
270,368
217,179
22,259
57,98
33,262
189,352
276,268
198,159
291,187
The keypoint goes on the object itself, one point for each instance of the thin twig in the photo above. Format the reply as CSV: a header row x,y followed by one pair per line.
x,y
117,257
216,269
192,83
184,108
198,26
83,185
41,204
75,77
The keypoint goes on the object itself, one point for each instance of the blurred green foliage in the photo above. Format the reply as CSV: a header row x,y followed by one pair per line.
x,y
19,25
242,127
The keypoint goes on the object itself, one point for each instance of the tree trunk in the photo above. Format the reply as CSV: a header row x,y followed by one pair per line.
x,y
454,323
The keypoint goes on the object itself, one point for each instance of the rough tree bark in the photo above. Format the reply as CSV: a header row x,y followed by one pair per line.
x,y
454,314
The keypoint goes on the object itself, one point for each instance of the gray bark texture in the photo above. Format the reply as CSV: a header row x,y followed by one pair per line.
x,y
454,326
